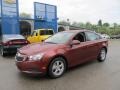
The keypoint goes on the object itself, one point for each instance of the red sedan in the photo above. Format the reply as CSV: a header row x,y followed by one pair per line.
x,y
61,51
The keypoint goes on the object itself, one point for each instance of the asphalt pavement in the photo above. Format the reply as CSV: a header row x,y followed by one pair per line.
x,y
89,76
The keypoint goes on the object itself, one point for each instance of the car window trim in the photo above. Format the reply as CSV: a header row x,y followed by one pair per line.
x,y
94,33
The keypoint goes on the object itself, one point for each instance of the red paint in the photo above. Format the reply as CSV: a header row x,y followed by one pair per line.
x,y
74,55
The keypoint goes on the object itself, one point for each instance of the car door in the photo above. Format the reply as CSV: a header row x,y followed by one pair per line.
x,y
92,40
34,37
77,53
42,34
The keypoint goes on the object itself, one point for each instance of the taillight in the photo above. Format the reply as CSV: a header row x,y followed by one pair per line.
x,y
16,42
6,43
10,43
26,42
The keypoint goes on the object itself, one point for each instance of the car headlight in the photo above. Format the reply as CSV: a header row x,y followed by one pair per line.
x,y
36,57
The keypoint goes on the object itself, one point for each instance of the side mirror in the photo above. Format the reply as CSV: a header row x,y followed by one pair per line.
x,y
75,42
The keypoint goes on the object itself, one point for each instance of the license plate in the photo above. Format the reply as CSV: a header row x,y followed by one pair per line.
x,y
17,46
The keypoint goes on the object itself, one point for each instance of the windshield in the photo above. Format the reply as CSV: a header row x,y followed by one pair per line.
x,y
33,33
12,37
46,32
59,38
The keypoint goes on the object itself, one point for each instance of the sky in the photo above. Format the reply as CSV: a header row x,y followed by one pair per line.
x,y
80,10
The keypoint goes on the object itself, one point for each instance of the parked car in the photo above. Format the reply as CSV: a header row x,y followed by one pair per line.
x,y
40,35
10,43
105,36
115,37
60,52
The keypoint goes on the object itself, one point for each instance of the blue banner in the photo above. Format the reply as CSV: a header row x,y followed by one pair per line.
x,y
0,8
45,16
10,17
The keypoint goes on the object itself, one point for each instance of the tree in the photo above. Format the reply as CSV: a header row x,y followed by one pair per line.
x,y
64,23
82,25
106,24
115,25
88,25
99,27
25,15
75,24
100,23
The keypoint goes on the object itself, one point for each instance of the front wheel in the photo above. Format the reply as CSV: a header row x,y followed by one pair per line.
x,y
57,67
102,55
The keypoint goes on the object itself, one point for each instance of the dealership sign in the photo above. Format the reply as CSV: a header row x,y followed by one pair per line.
x,y
10,1
9,8
45,16
10,17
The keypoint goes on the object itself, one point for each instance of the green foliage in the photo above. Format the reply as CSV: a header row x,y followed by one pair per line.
x,y
103,28
100,23
106,24
25,15
64,23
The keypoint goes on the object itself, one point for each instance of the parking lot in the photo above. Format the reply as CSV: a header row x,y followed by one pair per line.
x,y
90,76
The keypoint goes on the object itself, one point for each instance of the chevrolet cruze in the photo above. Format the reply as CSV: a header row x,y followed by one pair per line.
x,y
61,51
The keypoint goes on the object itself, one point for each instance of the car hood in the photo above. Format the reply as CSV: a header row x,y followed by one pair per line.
x,y
36,48
43,37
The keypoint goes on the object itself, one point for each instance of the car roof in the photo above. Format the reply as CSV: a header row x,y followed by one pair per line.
x,y
44,29
13,36
77,31
7,37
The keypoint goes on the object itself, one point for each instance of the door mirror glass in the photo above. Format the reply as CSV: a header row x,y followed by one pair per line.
x,y
75,42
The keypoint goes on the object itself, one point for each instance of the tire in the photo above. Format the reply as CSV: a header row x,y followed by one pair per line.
x,y
2,52
57,68
102,55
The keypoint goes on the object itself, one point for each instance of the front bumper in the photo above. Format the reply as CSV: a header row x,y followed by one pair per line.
x,y
32,68
31,72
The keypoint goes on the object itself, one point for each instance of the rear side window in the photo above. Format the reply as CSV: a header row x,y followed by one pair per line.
x,y
90,36
46,32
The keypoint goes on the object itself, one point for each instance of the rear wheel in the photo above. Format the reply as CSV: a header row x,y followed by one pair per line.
x,y
3,52
102,55
57,67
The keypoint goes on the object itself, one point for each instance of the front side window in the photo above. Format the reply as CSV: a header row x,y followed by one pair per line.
x,y
92,36
34,33
80,37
